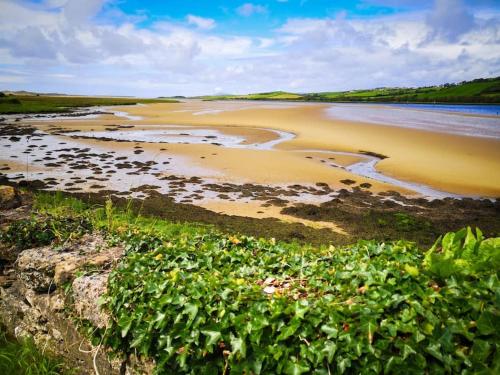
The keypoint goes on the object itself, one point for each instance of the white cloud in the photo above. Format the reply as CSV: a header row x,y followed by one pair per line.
x,y
449,20
200,22
61,47
249,9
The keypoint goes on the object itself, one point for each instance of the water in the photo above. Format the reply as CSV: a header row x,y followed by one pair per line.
x,y
367,168
461,119
188,136
475,109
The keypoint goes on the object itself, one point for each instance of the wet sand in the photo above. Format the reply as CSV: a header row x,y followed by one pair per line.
x,y
457,164
242,158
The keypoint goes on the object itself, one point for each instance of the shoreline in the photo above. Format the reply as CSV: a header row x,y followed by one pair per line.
x,y
338,154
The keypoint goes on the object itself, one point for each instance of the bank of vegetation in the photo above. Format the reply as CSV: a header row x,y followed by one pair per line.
x,y
478,91
14,104
199,301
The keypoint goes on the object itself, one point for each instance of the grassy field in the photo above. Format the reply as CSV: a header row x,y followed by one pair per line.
x,y
477,91
53,104
198,301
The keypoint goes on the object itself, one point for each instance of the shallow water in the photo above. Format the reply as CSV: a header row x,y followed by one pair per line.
x,y
477,109
367,168
442,119
187,136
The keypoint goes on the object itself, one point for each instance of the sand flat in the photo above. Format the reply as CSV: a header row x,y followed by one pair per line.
x,y
452,163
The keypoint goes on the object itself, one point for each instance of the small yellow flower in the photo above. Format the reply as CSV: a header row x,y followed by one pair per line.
x,y
239,281
413,271
159,256
234,240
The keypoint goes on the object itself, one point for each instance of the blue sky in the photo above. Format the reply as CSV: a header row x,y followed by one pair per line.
x,y
191,47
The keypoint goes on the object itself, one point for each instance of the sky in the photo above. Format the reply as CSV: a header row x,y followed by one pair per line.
x,y
201,47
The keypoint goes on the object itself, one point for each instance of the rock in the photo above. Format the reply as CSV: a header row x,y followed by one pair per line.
x,y
27,310
9,198
86,293
43,269
8,254
269,289
63,272
36,267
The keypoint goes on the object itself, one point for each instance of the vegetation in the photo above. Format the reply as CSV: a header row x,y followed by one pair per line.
x,y
214,303
24,358
51,104
43,230
201,302
476,91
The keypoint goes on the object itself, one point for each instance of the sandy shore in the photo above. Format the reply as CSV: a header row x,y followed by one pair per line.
x,y
266,144
452,163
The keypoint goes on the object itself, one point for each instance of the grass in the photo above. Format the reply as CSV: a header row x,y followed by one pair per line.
x,y
55,104
24,358
476,91
109,217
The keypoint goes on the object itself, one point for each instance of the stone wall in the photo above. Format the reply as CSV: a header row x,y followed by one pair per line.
x,y
46,293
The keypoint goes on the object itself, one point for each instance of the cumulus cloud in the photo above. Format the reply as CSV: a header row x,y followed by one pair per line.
x,y
449,20
249,9
200,22
60,46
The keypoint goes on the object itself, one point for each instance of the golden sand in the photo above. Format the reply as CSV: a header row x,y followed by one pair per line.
x,y
452,163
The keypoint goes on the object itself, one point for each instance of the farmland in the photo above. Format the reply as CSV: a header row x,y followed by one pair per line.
x,y
476,91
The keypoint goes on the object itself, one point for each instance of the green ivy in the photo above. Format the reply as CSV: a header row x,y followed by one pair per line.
x,y
213,304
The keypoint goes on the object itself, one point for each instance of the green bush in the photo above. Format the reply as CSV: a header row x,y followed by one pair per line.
x,y
214,304
43,230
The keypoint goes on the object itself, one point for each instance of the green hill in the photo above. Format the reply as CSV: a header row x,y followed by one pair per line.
x,y
483,90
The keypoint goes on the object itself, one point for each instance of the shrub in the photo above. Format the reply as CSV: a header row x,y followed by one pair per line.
x,y
217,304
43,230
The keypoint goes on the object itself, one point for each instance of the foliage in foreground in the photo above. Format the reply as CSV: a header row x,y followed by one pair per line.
x,y
24,358
213,304
200,302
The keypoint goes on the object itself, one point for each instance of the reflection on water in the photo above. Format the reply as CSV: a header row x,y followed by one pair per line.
x,y
187,136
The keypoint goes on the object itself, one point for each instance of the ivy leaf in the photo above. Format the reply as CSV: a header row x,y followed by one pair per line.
x,y
369,329
289,330
238,345
213,338
125,322
407,350
488,323
480,350
329,349
191,310
331,332
301,307
295,368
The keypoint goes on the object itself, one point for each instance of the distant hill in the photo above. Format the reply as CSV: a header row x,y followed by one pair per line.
x,y
482,90
30,93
